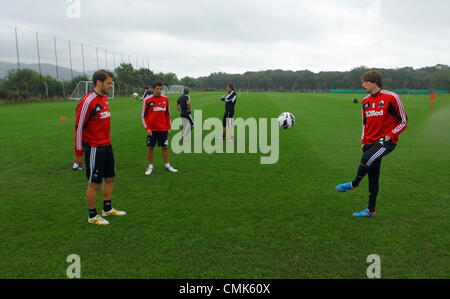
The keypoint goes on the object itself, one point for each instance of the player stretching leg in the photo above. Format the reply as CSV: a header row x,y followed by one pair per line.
x,y
384,119
92,134
156,121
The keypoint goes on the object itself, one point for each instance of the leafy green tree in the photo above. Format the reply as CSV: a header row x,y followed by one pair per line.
x,y
127,74
440,80
189,82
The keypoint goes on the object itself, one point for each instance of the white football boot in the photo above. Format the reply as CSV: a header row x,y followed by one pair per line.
x,y
171,169
113,212
149,171
98,220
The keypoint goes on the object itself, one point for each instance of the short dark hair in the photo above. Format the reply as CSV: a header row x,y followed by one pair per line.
x,y
230,86
373,77
146,87
157,83
101,75
186,90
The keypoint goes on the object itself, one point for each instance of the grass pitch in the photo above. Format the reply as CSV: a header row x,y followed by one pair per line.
x,y
225,215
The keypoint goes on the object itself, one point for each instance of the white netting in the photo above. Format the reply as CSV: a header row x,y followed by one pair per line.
x,y
173,88
85,87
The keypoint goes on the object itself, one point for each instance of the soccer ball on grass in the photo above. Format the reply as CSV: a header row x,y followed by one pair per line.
x,y
286,120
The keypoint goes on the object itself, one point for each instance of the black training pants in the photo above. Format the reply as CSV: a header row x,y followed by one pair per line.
x,y
371,165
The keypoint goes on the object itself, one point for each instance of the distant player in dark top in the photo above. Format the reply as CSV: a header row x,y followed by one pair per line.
x,y
147,92
156,121
92,135
184,106
383,119
230,102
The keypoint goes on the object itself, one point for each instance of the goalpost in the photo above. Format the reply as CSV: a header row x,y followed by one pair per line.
x,y
85,87
173,88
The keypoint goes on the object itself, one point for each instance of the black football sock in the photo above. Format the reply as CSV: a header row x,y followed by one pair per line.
x,y
92,213
107,206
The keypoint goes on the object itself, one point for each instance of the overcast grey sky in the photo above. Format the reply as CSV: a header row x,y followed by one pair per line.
x,y
197,37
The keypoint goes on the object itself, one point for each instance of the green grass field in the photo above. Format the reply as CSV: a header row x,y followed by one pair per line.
x,y
225,215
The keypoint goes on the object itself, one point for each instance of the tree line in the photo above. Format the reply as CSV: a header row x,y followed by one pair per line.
x,y
27,83
429,78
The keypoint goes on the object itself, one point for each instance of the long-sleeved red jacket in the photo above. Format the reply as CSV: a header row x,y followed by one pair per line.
x,y
383,114
156,113
92,125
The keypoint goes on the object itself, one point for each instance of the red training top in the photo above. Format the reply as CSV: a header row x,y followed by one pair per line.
x,y
433,96
156,113
92,124
383,114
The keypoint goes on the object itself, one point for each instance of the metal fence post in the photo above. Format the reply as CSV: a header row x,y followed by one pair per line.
x,y
39,59
18,61
82,57
56,59
70,59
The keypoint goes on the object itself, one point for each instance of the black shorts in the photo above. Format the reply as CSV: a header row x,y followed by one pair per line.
x,y
162,138
228,114
99,163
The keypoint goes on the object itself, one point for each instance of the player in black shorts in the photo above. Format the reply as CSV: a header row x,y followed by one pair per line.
x,y
157,124
92,135
184,106
230,102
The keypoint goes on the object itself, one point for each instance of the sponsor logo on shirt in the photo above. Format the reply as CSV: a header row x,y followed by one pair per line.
x,y
159,109
105,114
372,113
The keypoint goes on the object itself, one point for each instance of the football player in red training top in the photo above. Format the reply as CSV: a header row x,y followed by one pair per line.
x,y
432,99
92,135
156,121
383,119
